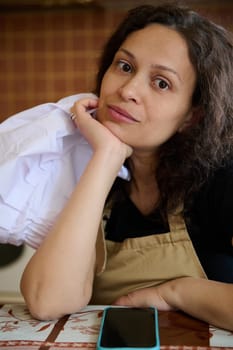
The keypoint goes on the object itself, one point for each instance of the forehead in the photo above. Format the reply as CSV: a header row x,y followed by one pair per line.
x,y
158,44
157,35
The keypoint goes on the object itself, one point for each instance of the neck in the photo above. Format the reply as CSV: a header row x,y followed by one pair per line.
x,y
143,189
143,167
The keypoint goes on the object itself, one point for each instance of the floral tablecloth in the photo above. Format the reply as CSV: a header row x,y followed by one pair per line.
x,y
18,330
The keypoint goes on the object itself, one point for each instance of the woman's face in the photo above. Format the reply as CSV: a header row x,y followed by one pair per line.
x,y
146,94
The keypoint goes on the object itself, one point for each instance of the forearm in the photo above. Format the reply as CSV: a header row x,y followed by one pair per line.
x,y
58,279
208,300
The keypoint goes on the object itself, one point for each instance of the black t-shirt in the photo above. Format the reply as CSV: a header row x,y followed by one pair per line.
x,y
209,223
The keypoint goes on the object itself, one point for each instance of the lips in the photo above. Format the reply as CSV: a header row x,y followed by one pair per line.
x,y
122,113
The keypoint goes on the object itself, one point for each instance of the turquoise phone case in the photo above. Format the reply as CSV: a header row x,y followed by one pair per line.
x,y
156,325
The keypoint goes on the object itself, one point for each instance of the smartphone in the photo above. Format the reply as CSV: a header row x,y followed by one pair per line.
x,y
129,328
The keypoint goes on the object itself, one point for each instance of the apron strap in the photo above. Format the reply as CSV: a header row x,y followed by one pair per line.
x,y
176,220
176,223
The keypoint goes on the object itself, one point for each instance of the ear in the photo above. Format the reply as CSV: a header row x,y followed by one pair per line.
x,y
193,118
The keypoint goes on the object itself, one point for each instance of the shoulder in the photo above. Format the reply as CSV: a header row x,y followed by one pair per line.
x,y
220,187
225,171
212,207
219,184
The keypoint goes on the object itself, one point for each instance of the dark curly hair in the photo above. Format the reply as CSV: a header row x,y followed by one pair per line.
x,y
188,158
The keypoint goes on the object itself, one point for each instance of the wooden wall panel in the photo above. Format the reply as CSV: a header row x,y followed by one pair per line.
x,y
49,54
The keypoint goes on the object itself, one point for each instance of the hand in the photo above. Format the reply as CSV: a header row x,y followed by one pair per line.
x,y
153,296
198,297
96,134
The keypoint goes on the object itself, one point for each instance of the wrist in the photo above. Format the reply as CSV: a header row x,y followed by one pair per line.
x,y
174,291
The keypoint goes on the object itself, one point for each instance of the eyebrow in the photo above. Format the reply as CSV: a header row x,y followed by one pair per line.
x,y
158,66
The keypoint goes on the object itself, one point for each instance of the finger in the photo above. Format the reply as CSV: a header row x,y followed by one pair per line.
x,y
133,299
85,106
72,116
123,301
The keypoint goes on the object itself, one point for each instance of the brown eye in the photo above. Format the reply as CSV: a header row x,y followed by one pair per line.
x,y
161,84
125,66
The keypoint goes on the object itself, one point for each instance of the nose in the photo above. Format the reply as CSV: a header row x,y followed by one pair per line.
x,y
131,90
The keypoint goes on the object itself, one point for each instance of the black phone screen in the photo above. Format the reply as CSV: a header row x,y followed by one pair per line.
x,y
129,327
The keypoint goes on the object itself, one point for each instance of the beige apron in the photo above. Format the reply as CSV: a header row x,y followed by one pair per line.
x,y
143,261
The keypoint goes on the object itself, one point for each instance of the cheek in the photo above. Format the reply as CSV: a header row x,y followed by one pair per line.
x,y
102,97
105,97
109,84
104,84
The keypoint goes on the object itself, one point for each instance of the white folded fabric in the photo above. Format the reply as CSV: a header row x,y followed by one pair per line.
x,y
42,156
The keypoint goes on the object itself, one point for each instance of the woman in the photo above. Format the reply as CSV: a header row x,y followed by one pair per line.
x,y
165,111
